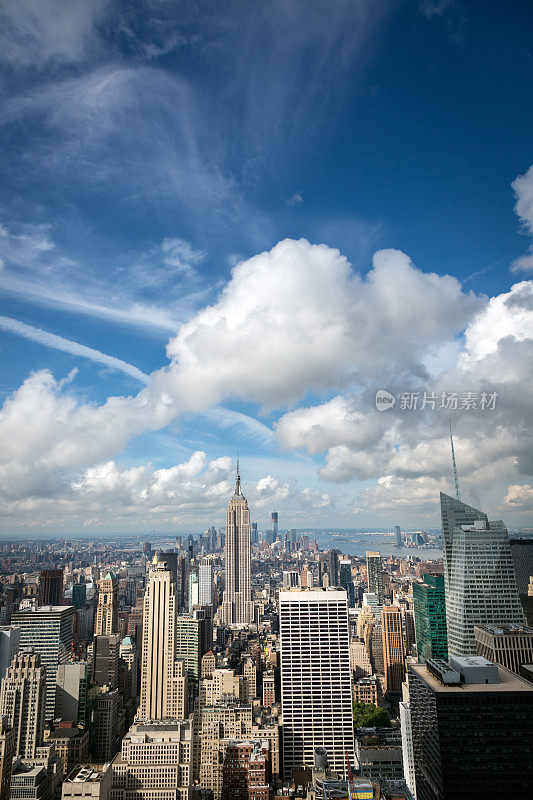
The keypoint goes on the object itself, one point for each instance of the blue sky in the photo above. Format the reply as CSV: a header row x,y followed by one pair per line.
x,y
150,148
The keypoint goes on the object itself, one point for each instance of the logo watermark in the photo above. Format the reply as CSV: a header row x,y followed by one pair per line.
x,y
448,401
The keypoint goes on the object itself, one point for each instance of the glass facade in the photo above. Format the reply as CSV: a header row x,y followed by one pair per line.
x,y
430,618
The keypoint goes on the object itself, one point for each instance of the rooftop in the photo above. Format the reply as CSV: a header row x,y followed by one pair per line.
x,y
509,682
83,774
506,630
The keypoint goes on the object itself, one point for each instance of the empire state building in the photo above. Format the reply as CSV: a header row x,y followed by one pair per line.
x,y
237,606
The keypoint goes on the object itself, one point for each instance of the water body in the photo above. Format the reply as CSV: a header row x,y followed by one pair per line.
x,y
382,543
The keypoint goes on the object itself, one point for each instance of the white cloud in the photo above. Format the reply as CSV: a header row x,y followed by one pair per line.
x,y
181,255
520,496
295,200
68,346
523,189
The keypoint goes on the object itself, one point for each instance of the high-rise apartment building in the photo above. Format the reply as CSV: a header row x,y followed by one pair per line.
x,y
50,587
374,569
479,577
470,726
22,701
393,651
316,693
107,608
430,618
155,762
7,753
48,630
508,645
237,606
163,681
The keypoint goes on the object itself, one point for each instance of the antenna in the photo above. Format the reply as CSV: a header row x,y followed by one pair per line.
x,y
455,476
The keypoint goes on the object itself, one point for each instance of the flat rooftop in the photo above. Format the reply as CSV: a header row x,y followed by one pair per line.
x,y
509,682
506,630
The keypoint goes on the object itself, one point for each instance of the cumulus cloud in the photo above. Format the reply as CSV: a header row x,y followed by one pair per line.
x,y
523,189
519,496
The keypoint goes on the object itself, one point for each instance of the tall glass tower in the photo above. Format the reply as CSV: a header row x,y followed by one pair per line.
x,y
479,577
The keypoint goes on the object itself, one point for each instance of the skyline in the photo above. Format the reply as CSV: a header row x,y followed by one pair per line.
x,y
229,229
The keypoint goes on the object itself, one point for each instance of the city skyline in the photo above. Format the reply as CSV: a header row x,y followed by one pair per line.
x,y
246,230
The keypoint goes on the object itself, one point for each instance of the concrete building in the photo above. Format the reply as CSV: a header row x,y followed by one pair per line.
x,y
237,606
72,692
107,609
250,676
222,683
479,576
374,569
155,762
208,665
8,744
508,645
48,630
9,646
206,594
365,690
192,642
163,678
128,656
105,659
88,782
71,744
50,587
106,728
378,753
23,701
463,722
359,659
290,578
430,617
316,687
245,771
393,652
226,720
269,690
29,782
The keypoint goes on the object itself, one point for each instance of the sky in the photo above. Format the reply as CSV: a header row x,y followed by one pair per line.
x,y
224,227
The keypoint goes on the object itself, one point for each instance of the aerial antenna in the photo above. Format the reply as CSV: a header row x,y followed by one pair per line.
x,y
455,476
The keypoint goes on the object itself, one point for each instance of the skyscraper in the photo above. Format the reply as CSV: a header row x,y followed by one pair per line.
x,y
479,577
237,606
50,587
315,677
163,683
7,752
275,529
9,646
48,630
107,609
398,535
430,618
22,700
393,652
205,578
374,569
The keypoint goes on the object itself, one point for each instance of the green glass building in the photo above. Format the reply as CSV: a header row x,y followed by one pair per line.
x,y
430,618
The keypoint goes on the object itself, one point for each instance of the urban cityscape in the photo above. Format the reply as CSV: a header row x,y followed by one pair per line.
x,y
266,408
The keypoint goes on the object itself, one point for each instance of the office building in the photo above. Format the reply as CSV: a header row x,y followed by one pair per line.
x,y
71,744
345,580
29,782
194,591
315,677
206,583
163,680
269,690
365,690
9,646
479,577
408,753
250,676
430,618
48,630
508,645
378,753
22,701
374,569
246,771
79,595
105,658
73,681
360,660
192,643
275,529
470,725
223,683
107,609
226,720
374,643
208,664
89,782
290,578
393,652
128,658
398,536
50,587
155,762
106,729
7,753
237,606
522,554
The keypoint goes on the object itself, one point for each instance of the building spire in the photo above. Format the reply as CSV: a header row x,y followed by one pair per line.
x,y
455,476
238,478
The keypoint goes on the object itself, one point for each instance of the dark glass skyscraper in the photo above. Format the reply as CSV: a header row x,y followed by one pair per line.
x,y
50,587
430,618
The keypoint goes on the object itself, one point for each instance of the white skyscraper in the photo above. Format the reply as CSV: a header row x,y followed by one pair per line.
x,y
237,606
479,578
316,690
205,578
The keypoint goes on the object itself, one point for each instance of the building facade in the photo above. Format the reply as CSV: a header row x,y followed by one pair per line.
x,y
508,645
430,618
393,651
22,701
107,609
